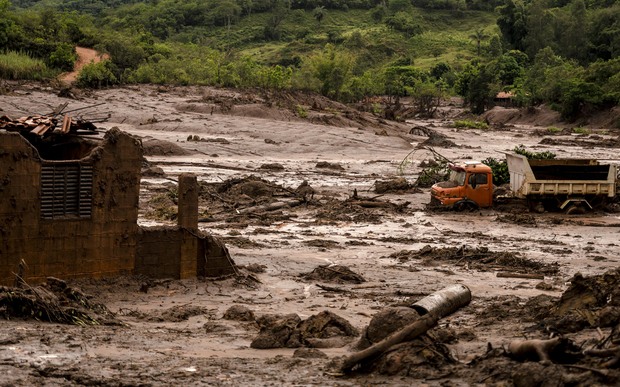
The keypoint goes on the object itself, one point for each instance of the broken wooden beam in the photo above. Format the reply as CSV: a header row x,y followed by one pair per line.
x,y
66,124
270,207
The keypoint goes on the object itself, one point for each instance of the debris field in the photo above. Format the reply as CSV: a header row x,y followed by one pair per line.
x,y
326,218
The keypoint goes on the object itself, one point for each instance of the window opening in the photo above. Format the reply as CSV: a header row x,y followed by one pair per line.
x,y
66,190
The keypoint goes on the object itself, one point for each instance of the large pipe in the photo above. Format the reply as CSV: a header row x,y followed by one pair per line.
x,y
444,302
432,308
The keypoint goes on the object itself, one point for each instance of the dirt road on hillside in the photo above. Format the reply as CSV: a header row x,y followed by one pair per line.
x,y
85,56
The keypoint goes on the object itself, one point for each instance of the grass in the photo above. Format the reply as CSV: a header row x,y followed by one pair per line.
x,y
471,124
301,111
15,65
580,130
553,129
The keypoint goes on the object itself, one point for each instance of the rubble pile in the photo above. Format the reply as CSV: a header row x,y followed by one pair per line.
x,y
323,330
53,301
335,274
589,302
45,125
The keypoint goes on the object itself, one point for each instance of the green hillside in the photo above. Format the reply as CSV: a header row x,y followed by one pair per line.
x,y
557,51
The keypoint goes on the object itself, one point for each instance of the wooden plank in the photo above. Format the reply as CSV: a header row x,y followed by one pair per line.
x,y
66,124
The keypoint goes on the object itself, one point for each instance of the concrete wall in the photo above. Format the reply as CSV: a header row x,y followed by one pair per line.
x,y
103,245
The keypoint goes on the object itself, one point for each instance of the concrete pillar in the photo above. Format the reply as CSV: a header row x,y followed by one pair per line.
x,y
188,201
188,224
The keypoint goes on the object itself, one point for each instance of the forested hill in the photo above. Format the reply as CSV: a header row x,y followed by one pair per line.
x,y
561,52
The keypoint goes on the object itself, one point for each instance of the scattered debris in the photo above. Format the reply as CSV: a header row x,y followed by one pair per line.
x,y
335,274
45,125
239,313
272,167
391,327
324,330
396,184
54,301
178,313
480,258
328,165
309,353
556,350
521,219
588,302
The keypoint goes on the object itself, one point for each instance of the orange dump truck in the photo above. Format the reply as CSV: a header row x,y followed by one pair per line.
x,y
565,184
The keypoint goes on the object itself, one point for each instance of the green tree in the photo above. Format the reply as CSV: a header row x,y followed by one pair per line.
x,y
512,23
399,5
573,40
403,22
400,80
438,70
495,46
426,98
378,13
331,68
479,36
279,12
319,13
604,32
63,57
370,83
534,86
478,85
226,12
540,24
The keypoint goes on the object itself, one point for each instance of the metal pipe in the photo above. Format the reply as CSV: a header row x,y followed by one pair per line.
x,y
444,302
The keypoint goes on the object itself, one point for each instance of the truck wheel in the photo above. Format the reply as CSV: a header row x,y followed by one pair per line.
x,y
466,205
536,206
575,209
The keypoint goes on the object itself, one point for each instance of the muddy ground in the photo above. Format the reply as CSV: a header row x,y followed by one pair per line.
x,y
250,150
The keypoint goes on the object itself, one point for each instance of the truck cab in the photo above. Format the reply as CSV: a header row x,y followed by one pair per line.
x,y
470,186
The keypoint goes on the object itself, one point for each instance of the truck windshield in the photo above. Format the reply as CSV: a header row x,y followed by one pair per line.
x,y
458,177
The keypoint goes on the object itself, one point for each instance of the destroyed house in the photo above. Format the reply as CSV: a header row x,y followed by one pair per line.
x,y
69,208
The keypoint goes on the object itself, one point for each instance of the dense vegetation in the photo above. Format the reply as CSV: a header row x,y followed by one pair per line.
x,y
561,52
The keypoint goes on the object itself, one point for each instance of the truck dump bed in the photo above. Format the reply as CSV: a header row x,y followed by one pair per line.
x,y
567,177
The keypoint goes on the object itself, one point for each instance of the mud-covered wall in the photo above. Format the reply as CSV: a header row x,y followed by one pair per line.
x,y
175,252
214,260
158,251
102,245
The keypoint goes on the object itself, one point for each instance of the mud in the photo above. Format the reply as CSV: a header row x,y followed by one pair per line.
x,y
480,258
185,332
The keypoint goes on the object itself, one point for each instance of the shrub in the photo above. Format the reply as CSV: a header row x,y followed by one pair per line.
x,y
97,75
301,111
499,169
520,150
471,124
580,130
63,57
